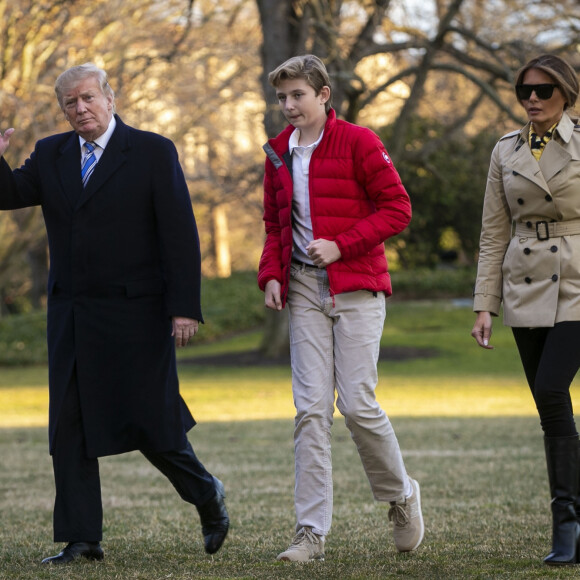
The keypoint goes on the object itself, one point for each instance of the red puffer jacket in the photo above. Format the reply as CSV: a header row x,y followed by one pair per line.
x,y
356,199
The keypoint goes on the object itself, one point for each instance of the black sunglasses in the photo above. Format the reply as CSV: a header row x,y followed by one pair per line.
x,y
543,92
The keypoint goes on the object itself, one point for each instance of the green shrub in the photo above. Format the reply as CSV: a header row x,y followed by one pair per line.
x,y
23,339
229,305
425,283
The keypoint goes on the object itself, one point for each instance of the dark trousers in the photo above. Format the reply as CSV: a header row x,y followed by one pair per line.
x,y
78,511
551,359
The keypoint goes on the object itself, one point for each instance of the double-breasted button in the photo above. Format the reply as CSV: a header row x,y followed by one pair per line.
x,y
529,224
527,280
554,249
527,251
555,278
520,201
548,197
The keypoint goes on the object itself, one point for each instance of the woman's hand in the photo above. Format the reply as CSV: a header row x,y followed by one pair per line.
x,y
482,329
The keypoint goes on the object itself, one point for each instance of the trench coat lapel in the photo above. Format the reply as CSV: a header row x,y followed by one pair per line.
x,y
555,155
553,159
525,164
69,169
114,156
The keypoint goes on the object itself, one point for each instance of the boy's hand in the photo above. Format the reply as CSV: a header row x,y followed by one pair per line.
x,y
323,252
272,295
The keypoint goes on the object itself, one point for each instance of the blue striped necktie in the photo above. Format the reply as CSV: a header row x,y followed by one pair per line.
x,y
89,162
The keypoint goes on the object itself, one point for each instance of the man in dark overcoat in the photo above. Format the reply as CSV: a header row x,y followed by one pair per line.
x,y
123,292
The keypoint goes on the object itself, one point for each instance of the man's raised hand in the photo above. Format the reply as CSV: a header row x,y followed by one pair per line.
x,y
5,140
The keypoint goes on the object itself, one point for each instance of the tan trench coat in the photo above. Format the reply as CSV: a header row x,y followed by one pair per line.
x,y
535,271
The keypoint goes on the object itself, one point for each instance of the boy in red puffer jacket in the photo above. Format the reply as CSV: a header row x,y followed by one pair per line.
x,y
331,199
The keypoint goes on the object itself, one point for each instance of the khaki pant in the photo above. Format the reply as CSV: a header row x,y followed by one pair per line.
x,y
334,346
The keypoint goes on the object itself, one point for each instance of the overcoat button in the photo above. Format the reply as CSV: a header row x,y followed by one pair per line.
x,y
529,224
520,201
555,278
515,173
527,280
527,251
554,249
548,197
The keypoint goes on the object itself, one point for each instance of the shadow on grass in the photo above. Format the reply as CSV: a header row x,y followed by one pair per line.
x,y
484,494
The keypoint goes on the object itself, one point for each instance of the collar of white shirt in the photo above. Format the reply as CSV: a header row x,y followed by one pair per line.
x,y
295,137
103,139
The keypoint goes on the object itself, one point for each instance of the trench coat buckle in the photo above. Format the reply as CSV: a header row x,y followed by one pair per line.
x,y
542,232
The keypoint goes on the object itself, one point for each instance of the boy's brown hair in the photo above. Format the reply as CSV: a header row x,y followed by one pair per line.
x,y
308,67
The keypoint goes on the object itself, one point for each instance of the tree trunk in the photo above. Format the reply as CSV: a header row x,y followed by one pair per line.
x,y
279,45
223,259
276,339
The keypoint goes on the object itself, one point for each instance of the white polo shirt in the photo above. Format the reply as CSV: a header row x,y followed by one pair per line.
x,y
301,220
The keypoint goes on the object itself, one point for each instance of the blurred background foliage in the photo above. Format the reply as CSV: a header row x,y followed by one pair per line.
x,y
231,306
434,78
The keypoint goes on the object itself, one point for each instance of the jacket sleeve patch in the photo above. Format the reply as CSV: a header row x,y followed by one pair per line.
x,y
272,156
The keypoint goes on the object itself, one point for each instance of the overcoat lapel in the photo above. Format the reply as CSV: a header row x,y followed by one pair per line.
x,y
112,159
69,169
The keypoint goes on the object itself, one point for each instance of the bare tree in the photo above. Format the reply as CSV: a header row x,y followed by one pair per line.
x,y
186,68
482,43
195,70
449,60
29,51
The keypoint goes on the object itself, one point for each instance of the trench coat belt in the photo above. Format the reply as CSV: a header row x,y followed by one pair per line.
x,y
544,230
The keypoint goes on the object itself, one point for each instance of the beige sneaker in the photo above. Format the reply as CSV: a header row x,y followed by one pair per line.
x,y
305,546
408,529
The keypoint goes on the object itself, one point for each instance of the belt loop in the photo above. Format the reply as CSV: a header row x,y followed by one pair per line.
x,y
539,235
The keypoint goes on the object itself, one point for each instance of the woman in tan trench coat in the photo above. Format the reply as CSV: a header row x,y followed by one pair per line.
x,y
530,259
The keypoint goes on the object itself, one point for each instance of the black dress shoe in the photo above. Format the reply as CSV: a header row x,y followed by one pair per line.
x,y
215,521
75,550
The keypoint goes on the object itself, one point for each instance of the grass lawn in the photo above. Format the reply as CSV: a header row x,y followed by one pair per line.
x,y
465,422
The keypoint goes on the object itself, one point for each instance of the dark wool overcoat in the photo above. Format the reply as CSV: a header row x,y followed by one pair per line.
x,y
124,259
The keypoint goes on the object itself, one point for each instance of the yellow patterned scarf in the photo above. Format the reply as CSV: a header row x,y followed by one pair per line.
x,y
537,144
